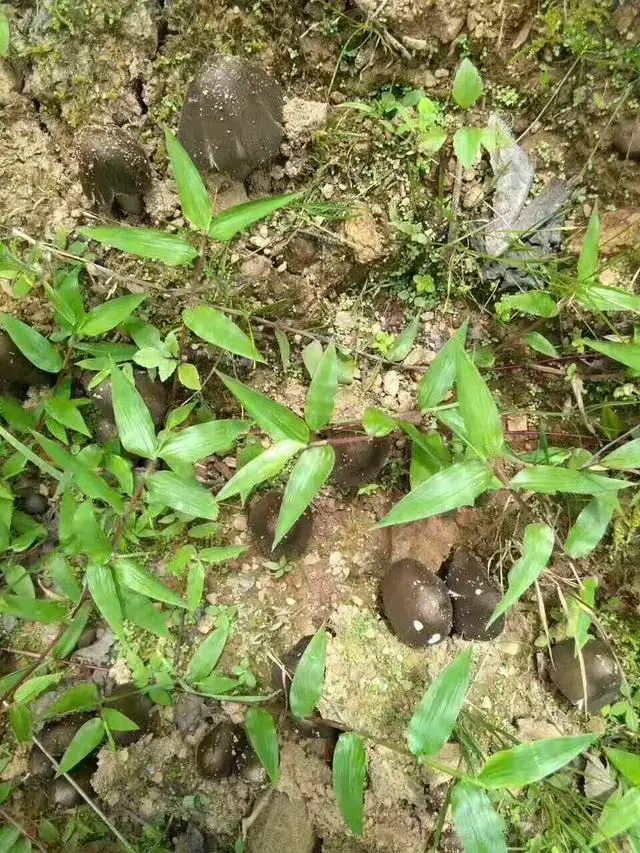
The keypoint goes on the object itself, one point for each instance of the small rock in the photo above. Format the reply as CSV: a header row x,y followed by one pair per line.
x,y
626,139
363,236
359,462
188,712
344,321
256,268
328,191
619,231
429,541
472,196
302,119
441,73
220,751
391,383
283,825
337,97
474,598
530,729
240,523
300,253
451,755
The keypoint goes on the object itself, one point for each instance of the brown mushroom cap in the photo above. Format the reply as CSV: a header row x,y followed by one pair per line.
x,y
263,517
359,462
417,604
474,598
603,673
220,751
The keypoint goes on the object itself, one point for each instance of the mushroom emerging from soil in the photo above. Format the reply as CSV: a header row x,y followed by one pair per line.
x,y
152,392
136,706
15,369
358,462
263,517
231,120
221,751
114,170
55,737
626,139
417,604
602,671
474,598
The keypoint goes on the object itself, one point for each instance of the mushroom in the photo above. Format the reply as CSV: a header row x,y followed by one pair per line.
x,y
220,751
602,673
358,462
152,392
263,517
417,604
474,598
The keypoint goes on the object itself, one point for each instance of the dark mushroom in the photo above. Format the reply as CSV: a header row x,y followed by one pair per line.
x,y
220,751
626,139
55,738
474,598
602,673
136,706
114,170
417,604
152,392
358,462
16,370
263,517
65,795
231,118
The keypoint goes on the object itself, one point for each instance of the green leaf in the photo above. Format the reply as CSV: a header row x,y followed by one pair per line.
x,y
60,572
145,243
8,834
308,679
217,329
139,579
456,486
262,468
429,455
86,739
110,314
588,260
222,553
439,378
208,654
310,473
4,42
230,222
539,343
69,639
627,763
195,586
185,495
548,480
285,349
590,526
133,419
478,408
467,143
189,377
467,85
117,721
121,470
433,720
67,414
625,353
48,833
33,610
625,456
537,547
194,199
377,423
276,420
479,826
579,615
32,344
139,610
105,596
21,723
597,297
349,779
263,737
619,814
90,537
202,440
33,687
535,302
527,763
16,415
321,396
80,697
18,580
403,344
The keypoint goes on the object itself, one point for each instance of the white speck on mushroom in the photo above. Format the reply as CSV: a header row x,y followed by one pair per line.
x,y
435,638
417,625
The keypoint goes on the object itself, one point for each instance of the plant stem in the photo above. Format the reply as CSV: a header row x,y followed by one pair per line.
x,y
7,817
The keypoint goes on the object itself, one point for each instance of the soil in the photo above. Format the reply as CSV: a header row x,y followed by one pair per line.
x,y
344,269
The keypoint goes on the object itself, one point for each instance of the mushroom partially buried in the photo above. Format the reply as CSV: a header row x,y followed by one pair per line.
x,y
222,751
474,598
263,518
231,120
114,170
602,672
358,462
417,604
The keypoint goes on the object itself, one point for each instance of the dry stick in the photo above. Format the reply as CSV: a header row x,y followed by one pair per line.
x,y
554,95
76,663
6,816
613,442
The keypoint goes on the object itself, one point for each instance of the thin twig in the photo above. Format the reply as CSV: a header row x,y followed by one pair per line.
x,y
76,663
7,817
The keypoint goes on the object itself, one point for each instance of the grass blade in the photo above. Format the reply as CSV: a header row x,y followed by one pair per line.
x,y
527,763
276,420
208,653
439,378
625,456
135,577
590,526
217,329
32,344
110,314
145,243
624,352
202,440
308,678
479,826
627,763
310,473
321,397
478,408
588,260
230,222
262,468
185,495
86,739
194,198
133,419
105,596
619,814
548,480
349,778
263,737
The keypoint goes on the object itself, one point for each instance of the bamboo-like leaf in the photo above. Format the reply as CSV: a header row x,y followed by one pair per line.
x,y
145,243
285,349
619,814
308,679
139,610
588,260
433,720
105,596
208,653
32,344
276,420
310,473
67,414
321,397
133,419
537,548
4,46
189,377
539,343
527,763
117,721
467,143
185,495
90,538
627,763
591,525
626,456
69,639
9,835
217,329
548,480
467,85
21,722
625,353
378,423
60,571
18,580
456,486
439,378
135,577
80,697
429,454
195,586
349,779
33,687
478,408
110,314
202,440
597,297
536,303
263,737
194,198
32,609
121,470
230,222
579,611
262,468
403,344
86,739
480,827
222,553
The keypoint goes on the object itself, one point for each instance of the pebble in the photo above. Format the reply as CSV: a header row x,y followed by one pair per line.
x,y
472,196
328,191
240,523
391,383
441,73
